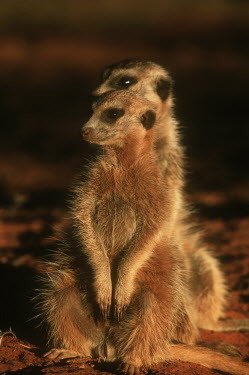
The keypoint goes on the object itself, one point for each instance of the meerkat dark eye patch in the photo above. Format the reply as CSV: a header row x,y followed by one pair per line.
x,y
123,82
148,119
111,115
163,87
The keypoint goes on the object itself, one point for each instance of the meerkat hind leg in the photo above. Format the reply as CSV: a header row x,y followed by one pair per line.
x,y
72,328
134,337
143,335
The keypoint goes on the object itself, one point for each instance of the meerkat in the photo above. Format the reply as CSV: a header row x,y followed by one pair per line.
x,y
118,286
207,283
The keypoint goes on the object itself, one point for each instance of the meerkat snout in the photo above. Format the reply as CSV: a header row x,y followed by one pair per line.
x,y
86,132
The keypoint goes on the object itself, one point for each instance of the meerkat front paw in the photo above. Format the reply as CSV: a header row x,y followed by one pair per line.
x,y
122,298
103,289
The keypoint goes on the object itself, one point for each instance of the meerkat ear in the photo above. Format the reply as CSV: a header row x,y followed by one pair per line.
x,y
148,119
163,87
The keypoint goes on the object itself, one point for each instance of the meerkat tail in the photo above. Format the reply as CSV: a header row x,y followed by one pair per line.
x,y
229,325
209,359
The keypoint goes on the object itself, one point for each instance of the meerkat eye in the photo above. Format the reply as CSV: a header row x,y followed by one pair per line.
x,y
123,82
111,115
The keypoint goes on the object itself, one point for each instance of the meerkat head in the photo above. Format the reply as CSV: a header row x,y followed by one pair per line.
x,y
118,116
142,77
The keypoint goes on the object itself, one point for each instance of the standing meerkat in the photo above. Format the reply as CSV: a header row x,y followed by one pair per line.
x,y
208,286
119,283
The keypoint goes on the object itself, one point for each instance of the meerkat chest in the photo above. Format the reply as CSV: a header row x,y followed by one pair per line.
x,y
114,222
124,200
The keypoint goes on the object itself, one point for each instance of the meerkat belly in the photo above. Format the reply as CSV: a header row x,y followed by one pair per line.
x,y
114,223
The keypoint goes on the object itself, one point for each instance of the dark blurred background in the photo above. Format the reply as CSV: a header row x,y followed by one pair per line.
x,y
51,56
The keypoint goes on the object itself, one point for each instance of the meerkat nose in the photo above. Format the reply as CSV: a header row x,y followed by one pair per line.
x,y
86,131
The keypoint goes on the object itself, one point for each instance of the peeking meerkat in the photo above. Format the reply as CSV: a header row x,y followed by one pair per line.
x,y
154,83
118,286
207,282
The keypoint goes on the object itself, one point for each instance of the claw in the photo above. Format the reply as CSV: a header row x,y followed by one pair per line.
x,y
62,354
101,351
119,312
105,311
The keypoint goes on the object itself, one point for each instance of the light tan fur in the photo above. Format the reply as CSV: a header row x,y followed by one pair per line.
x,y
119,285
